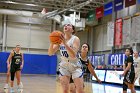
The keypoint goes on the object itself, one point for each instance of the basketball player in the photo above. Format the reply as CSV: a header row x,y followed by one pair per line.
x,y
8,73
137,65
15,63
129,72
69,65
85,65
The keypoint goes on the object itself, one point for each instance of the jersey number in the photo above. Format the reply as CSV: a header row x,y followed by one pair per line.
x,y
17,61
65,54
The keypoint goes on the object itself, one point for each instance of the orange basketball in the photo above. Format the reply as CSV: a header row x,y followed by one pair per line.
x,y
55,37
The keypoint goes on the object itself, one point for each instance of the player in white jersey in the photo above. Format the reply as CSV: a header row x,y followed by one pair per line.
x,y
137,65
69,65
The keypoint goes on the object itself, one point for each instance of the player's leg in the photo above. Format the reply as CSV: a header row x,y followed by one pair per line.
x,y
7,79
79,85
12,81
72,86
131,85
125,87
132,88
18,76
78,80
64,79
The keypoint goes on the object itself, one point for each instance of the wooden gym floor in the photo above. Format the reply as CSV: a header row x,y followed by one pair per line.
x,y
48,84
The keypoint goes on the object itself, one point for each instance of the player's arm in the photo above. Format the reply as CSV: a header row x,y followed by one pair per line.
x,y
124,67
22,61
9,59
130,60
91,69
127,68
52,49
72,51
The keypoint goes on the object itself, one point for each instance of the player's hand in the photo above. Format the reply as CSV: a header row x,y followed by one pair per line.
x,y
63,39
99,81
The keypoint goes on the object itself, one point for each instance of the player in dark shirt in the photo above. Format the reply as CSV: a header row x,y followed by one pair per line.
x,y
129,72
15,63
86,64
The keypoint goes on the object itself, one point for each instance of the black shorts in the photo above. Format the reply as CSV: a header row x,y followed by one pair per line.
x,y
129,77
15,68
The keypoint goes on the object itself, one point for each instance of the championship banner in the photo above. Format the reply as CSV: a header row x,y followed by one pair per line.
x,y
108,8
118,5
118,32
91,16
99,12
110,33
126,31
129,3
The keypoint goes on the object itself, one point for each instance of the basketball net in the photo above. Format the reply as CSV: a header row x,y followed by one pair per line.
x,y
44,11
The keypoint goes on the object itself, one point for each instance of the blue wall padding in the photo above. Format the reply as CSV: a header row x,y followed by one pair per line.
x,y
33,63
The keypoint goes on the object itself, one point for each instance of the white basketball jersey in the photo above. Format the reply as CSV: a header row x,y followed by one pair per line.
x,y
63,50
137,63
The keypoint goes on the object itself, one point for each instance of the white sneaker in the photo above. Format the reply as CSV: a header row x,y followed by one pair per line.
x,y
21,85
6,86
12,90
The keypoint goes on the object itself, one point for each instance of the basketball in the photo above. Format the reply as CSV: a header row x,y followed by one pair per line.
x,y
55,37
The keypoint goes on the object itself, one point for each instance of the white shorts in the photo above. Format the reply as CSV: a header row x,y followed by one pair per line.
x,y
70,67
77,73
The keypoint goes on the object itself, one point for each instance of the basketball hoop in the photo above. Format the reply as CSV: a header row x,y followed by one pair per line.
x,y
44,11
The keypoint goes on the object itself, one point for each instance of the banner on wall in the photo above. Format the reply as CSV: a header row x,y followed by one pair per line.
x,y
91,15
138,1
110,33
118,32
99,12
108,8
90,58
118,5
129,3
98,60
135,32
126,31
116,59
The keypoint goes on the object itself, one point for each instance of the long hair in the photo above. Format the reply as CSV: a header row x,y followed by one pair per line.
x,y
73,27
131,50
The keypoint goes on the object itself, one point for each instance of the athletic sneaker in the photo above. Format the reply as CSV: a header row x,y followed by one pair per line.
x,y
18,90
12,90
6,86
21,85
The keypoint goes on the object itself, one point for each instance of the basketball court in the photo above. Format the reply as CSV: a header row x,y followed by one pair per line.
x,y
49,84
107,26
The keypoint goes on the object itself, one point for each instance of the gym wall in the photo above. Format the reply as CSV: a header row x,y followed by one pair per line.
x,y
31,33
0,31
33,63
